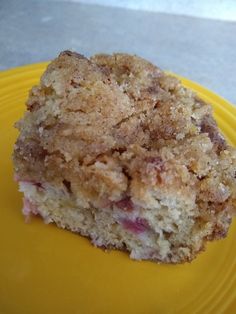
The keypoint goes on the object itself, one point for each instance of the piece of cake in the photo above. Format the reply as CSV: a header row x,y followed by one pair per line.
x,y
113,148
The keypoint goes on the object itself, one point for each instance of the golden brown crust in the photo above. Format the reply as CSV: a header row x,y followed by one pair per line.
x,y
116,125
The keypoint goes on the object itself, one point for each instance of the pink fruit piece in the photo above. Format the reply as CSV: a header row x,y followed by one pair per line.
x,y
36,184
139,225
125,204
29,207
155,162
16,178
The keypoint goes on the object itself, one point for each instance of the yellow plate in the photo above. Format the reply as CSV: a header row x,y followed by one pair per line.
x,y
44,269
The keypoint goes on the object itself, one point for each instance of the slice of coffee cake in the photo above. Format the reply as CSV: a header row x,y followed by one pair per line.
x,y
113,148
